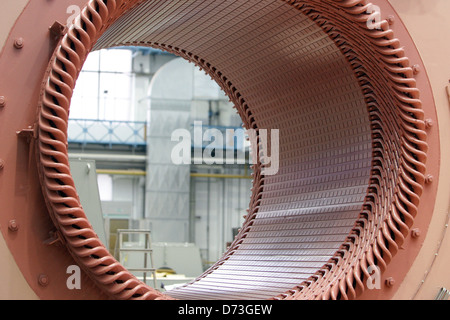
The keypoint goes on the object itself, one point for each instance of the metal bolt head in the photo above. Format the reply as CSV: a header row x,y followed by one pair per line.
x,y
416,69
429,179
13,225
428,123
415,233
19,43
390,20
390,282
2,101
43,280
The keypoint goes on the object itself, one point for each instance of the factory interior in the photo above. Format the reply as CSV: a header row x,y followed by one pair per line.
x,y
224,150
191,211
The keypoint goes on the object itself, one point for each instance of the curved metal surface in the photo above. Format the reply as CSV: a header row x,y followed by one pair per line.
x,y
354,150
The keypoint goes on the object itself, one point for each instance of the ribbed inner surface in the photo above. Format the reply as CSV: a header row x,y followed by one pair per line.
x,y
295,79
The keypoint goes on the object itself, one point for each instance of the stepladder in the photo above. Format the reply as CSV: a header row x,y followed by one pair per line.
x,y
136,253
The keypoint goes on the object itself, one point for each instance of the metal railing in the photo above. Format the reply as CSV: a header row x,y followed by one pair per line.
x,y
108,132
133,133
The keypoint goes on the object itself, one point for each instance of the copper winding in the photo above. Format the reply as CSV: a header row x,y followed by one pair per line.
x,y
61,194
398,141
395,210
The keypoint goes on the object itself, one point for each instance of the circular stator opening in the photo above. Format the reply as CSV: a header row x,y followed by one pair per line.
x,y
348,157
